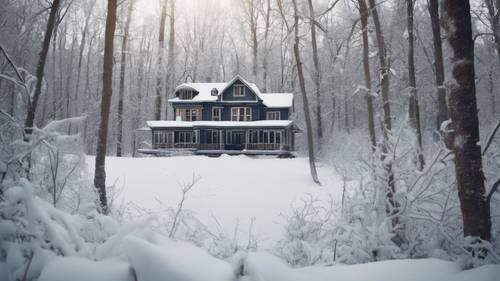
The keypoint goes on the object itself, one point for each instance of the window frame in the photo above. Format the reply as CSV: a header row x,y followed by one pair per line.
x,y
241,113
273,115
239,90
219,109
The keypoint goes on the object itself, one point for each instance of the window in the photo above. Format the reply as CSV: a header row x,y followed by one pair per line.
x,y
185,137
188,114
273,115
214,92
185,94
239,91
216,113
213,137
162,137
241,114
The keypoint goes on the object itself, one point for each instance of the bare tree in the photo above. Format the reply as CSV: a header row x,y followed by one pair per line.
x,y
317,70
159,72
463,112
171,55
305,103
252,12
413,107
121,91
33,101
364,13
107,92
88,14
392,204
438,63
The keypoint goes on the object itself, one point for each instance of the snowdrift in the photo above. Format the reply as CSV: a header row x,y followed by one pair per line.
x,y
162,259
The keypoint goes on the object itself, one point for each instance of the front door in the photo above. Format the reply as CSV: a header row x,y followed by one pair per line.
x,y
235,140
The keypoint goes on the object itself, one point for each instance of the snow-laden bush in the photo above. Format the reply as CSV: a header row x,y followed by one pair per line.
x,y
427,205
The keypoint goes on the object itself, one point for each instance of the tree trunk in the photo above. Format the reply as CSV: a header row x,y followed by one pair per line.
x,y
392,204
463,112
363,11
159,72
33,101
171,56
317,71
265,65
438,63
255,43
80,55
413,107
307,117
121,91
107,92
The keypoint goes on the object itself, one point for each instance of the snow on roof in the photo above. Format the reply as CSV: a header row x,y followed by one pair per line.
x,y
204,91
271,100
192,124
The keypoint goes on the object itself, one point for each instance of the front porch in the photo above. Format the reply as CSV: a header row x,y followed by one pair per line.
x,y
212,140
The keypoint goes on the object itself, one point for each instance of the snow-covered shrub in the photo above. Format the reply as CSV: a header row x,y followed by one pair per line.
x,y
427,205
308,235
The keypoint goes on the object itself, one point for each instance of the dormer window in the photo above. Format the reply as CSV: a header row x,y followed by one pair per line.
x,y
239,91
214,92
186,94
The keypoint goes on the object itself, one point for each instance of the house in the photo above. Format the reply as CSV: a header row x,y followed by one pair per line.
x,y
233,118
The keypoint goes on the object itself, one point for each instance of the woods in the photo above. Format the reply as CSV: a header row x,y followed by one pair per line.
x,y
395,105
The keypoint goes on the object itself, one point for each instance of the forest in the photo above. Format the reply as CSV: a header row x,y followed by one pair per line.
x,y
397,161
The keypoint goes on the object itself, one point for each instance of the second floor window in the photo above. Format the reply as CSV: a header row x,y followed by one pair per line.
x,y
273,115
241,114
239,91
216,113
188,114
185,94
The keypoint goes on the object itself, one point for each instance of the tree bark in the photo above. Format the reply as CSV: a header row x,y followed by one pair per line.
x,y
464,115
159,72
413,107
307,116
265,65
363,11
317,71
121,91
33,101
107,92
171,55
438,63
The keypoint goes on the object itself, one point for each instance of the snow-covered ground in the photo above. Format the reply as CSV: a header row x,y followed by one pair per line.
x,y
233,190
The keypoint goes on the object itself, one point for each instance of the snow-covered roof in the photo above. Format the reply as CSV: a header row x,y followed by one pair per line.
x,y
271,100
219,124
204,91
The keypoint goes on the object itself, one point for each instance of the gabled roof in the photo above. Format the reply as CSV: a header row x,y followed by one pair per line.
x,y
271,100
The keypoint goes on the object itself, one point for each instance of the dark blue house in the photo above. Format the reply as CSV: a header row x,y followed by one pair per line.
x,y
232,118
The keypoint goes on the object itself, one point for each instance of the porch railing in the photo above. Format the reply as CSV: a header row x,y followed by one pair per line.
x,y
217,146
267,146
174,145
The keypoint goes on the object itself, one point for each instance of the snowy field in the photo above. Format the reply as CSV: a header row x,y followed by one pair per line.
x,y
232,190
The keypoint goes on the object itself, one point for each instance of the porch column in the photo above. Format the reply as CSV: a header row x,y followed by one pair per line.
x,y
246,139
221,139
